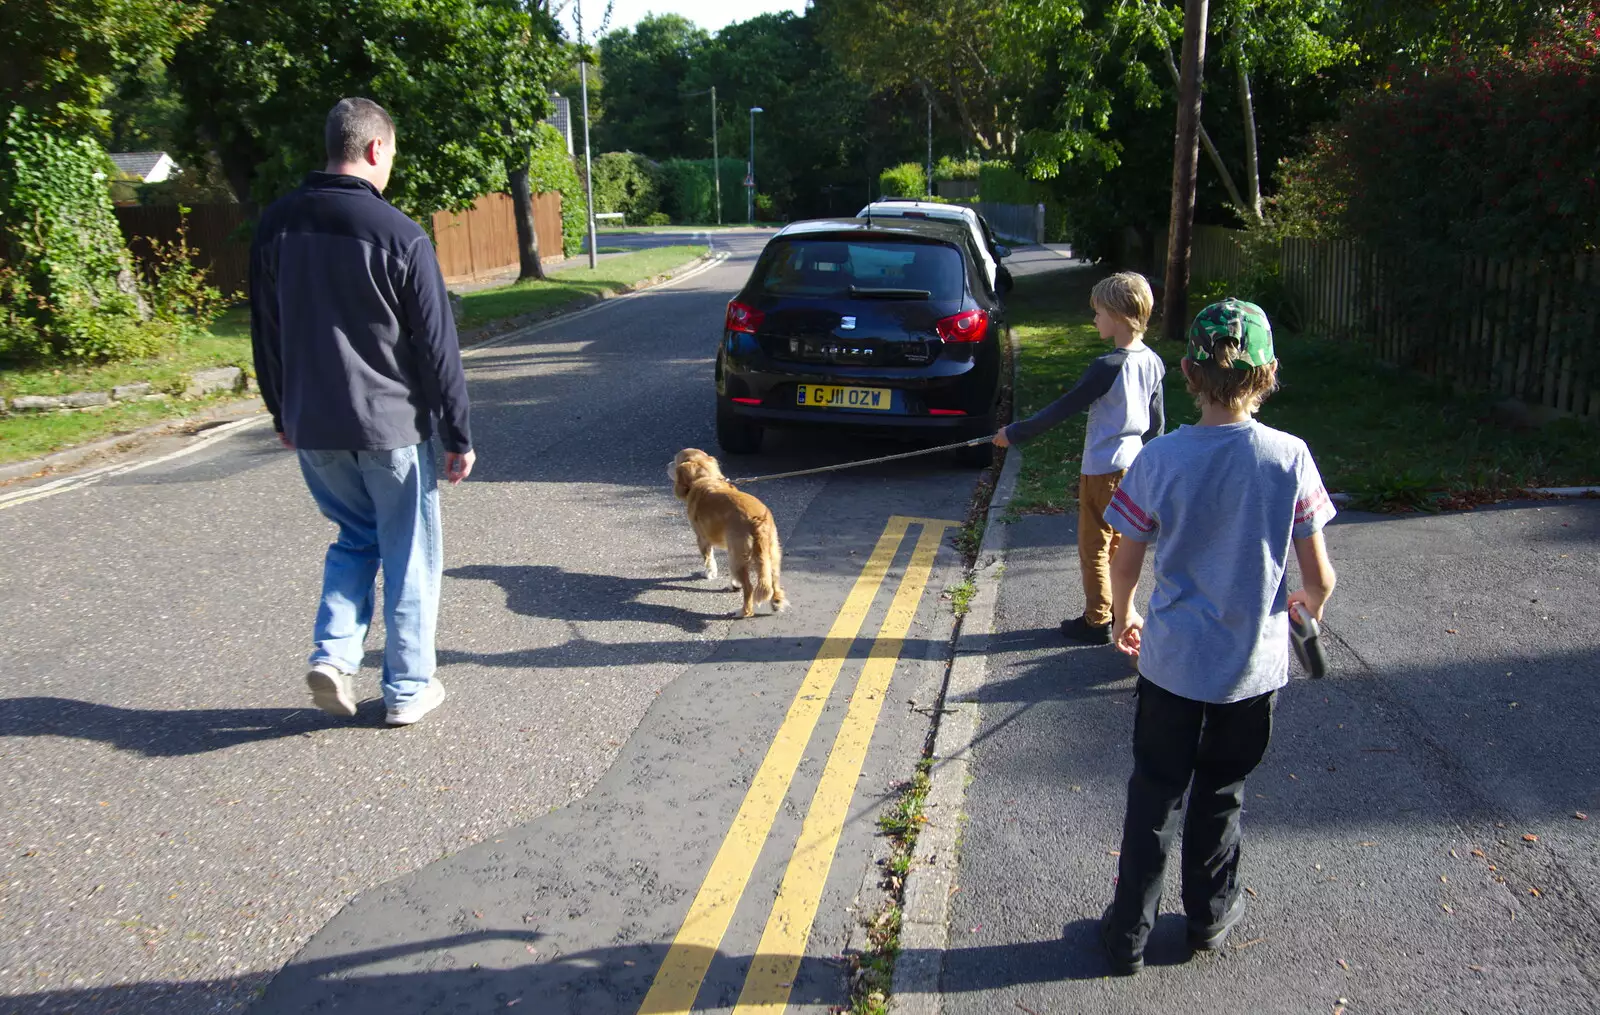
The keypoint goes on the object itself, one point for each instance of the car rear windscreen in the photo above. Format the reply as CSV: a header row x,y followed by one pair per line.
x,y
823,267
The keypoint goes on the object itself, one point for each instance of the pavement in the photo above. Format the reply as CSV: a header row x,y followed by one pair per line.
x,y
619,766
1423,835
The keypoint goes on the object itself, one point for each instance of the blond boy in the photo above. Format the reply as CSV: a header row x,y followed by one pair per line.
x,y
1223,501
1122,393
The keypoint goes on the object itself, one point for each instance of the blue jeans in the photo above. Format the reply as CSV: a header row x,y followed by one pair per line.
x,y
386,504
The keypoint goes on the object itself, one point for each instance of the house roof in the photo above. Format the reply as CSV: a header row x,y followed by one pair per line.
x,y
137,164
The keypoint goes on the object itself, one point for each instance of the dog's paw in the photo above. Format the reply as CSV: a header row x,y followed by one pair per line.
x,y
733,586
710,574
779,604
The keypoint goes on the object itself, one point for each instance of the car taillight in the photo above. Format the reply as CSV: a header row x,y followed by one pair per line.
x,y
743,317
967,326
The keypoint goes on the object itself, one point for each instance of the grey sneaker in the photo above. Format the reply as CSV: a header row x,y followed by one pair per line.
x,y
330,689
426,701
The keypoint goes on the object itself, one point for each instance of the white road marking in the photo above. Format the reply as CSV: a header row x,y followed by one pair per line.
x,y
82,479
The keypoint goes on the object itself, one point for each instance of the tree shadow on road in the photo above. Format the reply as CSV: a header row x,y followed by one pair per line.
x,y
460,973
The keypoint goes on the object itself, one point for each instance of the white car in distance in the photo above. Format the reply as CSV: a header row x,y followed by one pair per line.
x,y
988,249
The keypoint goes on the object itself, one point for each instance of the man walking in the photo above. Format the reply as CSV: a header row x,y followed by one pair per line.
x,y
357,358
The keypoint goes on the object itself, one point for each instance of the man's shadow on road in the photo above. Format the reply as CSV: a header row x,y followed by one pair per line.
x,y
159,733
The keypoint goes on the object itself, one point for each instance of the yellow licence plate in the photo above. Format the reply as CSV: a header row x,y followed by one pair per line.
x,y
826,396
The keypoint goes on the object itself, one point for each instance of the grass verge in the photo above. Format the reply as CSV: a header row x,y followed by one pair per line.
x,y
485,306
29,435
873,974
1392,440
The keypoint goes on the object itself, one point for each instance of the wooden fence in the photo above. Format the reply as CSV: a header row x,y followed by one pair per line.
x,y
483,239
1214,253
1516,327
469,245
214,233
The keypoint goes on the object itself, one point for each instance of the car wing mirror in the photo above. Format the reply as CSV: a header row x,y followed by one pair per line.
x,y
1001,250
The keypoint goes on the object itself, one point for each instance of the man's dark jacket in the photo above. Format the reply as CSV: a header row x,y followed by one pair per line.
x,y
355,344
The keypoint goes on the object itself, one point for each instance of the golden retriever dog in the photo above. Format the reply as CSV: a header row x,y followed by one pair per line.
x,y
722,515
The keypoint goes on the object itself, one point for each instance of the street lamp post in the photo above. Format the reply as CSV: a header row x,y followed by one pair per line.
x,y
588,161
750,176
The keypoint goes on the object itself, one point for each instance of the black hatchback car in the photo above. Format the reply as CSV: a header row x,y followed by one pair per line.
x,y
886,325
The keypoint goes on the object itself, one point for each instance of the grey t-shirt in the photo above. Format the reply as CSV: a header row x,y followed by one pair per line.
x,y
1223,505
1122,391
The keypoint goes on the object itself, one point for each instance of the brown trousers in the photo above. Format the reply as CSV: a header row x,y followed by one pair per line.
x,y
1097,541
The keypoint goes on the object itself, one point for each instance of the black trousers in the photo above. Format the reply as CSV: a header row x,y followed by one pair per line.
x,y
1207,750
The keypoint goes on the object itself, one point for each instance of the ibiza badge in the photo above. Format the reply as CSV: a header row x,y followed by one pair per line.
x,y
847,324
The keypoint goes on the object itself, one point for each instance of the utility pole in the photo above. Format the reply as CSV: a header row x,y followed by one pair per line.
x,y
930,146
716,160
1185,167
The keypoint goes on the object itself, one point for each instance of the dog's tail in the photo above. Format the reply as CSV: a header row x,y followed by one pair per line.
x,y
767,559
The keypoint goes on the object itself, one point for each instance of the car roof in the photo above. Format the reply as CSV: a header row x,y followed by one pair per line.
x,y
947,230
899,206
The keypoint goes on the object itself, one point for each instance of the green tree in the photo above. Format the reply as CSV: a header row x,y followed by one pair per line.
x,y
813,141
463,79
965,56
645,68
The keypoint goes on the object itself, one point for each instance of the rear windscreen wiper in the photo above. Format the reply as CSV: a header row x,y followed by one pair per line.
x,y
891,294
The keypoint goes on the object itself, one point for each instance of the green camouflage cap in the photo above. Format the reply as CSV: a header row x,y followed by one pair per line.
x,y
1244,323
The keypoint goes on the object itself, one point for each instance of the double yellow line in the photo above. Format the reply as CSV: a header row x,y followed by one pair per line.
x,y
783,943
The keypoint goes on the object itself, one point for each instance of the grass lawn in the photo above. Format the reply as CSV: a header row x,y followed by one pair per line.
x,y
564,286
1391,440
29,435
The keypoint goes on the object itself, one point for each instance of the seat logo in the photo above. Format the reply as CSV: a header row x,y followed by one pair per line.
x,y
847,324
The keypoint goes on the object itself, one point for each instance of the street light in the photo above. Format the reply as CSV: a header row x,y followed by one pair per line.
x,y
750,175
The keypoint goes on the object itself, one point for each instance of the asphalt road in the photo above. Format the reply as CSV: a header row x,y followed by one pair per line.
x,y
1415,840
180,825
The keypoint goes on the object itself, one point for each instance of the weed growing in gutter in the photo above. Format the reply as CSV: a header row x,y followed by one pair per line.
x,y
960,595
874,967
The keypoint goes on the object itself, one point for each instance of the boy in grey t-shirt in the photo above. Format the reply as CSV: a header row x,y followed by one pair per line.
x,y
1223,501
1122,393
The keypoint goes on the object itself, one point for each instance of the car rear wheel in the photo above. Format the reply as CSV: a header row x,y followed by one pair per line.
x,y
977,456
736,436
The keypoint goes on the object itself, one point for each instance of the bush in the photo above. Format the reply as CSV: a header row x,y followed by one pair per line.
x,y
626,182
688,189
905,180
1484,152
658,218
178,291
998,183
550,169
956,169
70,291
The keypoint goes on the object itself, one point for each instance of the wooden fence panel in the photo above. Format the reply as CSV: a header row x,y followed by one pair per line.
x,y
471,244
547,222
214,235
483,239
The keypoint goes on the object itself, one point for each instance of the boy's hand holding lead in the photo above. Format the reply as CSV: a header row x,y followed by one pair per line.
x,y
1127,632
1301,599
1000,439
